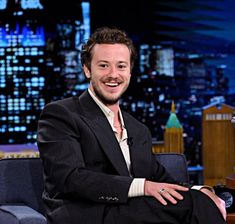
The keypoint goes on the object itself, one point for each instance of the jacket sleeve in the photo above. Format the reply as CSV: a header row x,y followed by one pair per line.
x,y
66,174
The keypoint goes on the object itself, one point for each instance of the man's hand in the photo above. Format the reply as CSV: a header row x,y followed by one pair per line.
x,y
218,201
164,192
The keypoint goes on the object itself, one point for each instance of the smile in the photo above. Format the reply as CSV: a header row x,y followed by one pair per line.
x,y
111,84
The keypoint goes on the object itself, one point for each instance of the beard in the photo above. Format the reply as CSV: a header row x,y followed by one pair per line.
x,y
105,100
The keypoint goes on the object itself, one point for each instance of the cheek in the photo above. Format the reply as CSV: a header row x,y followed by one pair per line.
x,y
128,77
97,79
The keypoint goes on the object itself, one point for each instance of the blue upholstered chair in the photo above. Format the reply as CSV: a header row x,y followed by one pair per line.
x,y
21,186
175,164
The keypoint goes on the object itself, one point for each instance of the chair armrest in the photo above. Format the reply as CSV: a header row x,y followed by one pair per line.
x,y
14,214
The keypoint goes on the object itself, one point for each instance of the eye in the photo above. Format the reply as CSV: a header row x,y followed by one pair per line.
x,y
122,66
103,65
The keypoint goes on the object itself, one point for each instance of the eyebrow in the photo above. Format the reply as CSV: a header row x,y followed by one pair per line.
x,y
108,61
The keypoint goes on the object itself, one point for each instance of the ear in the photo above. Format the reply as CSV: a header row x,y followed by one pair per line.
x,y
87,72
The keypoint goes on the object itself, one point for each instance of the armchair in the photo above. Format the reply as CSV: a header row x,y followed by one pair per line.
x,y
175,164
21,186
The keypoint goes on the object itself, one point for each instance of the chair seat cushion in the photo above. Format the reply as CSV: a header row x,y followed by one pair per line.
x,y
20,214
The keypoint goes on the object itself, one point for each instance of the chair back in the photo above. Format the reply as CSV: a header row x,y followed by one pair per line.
x,y
21,179
21,182
175,164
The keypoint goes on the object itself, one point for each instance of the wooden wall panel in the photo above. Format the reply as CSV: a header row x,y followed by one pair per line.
x,y
218,139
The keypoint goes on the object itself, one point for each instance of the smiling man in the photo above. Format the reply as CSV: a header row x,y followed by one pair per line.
x,y
97,159
111,72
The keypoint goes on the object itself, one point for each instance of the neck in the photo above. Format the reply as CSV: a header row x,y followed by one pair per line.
x,y
117,121
114,108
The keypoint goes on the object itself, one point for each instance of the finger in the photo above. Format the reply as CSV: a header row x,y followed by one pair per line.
x,y
223,209
160,199
168,196
223,212
176,194
178,187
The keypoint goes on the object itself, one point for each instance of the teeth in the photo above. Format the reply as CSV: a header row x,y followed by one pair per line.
x,y
111,84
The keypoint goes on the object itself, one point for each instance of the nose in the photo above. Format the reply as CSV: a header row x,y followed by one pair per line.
x,y
113,71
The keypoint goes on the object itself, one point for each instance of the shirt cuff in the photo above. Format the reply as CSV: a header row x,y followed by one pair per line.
x,y
199,187
136,188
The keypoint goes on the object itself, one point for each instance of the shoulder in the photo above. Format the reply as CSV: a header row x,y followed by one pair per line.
x,y
65,108
60,112
67,103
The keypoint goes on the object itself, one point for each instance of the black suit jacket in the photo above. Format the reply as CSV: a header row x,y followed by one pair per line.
x,y
84,168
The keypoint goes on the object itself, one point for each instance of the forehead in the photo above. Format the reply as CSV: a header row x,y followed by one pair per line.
x,y
110,52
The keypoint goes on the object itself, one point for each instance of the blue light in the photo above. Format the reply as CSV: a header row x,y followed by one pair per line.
x,y
3,4
86,18
15,68
19,13
3,130
26,38
34,79
35,93
22,66
31,4
82,86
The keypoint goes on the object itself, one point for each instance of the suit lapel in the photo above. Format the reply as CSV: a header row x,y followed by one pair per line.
x,y
99,124
139,148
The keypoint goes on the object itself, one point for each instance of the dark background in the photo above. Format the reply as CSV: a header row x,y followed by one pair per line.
x,y
200,34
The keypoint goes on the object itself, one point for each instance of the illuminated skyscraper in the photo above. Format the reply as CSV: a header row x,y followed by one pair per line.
x,y
22,42
26,64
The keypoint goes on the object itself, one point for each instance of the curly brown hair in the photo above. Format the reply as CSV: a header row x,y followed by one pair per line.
x,y
106,35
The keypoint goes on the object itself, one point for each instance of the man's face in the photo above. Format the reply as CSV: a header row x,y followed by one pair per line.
x,y
110,72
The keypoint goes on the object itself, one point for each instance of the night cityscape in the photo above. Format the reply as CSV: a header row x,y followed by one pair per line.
x,y
186,56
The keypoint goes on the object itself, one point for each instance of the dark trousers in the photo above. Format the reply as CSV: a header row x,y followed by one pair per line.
x,y
195,208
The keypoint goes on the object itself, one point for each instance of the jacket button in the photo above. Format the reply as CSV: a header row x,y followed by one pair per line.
x,y
101,198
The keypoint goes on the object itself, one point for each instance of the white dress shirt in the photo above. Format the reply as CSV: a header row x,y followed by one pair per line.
x,y
137,185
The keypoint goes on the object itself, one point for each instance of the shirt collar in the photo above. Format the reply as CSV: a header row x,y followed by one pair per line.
x,y
105,109
109,114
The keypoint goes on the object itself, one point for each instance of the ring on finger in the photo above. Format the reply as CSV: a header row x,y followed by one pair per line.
x,y
161,191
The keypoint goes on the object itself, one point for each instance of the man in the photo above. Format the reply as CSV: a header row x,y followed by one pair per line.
x,y
98,161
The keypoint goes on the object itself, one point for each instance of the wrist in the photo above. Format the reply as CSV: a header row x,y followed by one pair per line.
x,y
200,187
207,188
